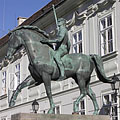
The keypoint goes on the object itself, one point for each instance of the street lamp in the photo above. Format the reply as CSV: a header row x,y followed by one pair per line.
x,y
115,86
35,106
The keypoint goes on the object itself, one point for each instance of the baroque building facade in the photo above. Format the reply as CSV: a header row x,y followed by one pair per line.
x,y
93,27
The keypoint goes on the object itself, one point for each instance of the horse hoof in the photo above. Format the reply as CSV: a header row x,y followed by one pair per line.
x,y
62,78
75,112
95,113
51,111
75,108
11,104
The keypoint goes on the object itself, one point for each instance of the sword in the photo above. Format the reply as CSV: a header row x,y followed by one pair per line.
x,y
55,17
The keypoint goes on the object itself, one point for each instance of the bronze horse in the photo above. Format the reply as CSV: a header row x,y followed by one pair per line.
x,y
43,68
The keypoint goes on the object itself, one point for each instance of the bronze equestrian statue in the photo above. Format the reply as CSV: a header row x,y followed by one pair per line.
x,y
44,68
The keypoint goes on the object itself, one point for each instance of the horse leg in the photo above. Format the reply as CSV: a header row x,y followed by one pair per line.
x,y
47,82
83,93
91,94
27,82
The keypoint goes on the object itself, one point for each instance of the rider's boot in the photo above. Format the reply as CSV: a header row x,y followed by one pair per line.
x,y
61,68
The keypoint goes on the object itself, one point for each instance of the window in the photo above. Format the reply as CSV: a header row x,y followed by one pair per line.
x,y
110,106
14,78
17,73
81,107
77,42
4,82
106,35
57,109
13,81
4,118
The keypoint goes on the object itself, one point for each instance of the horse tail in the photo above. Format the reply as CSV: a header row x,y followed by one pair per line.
x,y
100,69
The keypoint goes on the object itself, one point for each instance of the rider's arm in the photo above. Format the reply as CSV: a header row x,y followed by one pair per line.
x,y
58,39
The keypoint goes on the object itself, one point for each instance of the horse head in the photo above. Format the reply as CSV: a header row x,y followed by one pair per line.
x,y
14,44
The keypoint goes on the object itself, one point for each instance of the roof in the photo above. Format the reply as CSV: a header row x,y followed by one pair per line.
x,y
43,11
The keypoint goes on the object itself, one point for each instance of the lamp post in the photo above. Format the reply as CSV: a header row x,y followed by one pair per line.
x,y
115,87
35,106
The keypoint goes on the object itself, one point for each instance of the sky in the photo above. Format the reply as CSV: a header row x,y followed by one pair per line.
x,y
10,10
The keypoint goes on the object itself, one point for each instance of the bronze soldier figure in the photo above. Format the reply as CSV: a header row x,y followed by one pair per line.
x,y
62,45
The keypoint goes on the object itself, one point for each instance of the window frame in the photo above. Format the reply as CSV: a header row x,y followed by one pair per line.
x,y
78,42
81,110
5,84
85,106
56,109
13,79
18,73
103,16
44,111
110,105
4,118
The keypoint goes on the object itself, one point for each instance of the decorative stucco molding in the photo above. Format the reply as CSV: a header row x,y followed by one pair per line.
x,y
76,16
93,9
105,2
89,12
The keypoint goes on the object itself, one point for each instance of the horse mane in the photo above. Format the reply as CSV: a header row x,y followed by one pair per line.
x,y
35,28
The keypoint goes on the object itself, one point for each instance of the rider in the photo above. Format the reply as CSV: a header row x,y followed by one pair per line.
x,y
62,46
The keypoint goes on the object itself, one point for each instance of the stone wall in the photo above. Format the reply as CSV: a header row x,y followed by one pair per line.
x,y
31,116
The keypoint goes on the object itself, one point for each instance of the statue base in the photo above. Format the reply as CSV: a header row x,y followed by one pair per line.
x,y
32,116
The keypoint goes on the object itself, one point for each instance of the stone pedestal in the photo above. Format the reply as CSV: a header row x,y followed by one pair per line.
x,y
31,116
